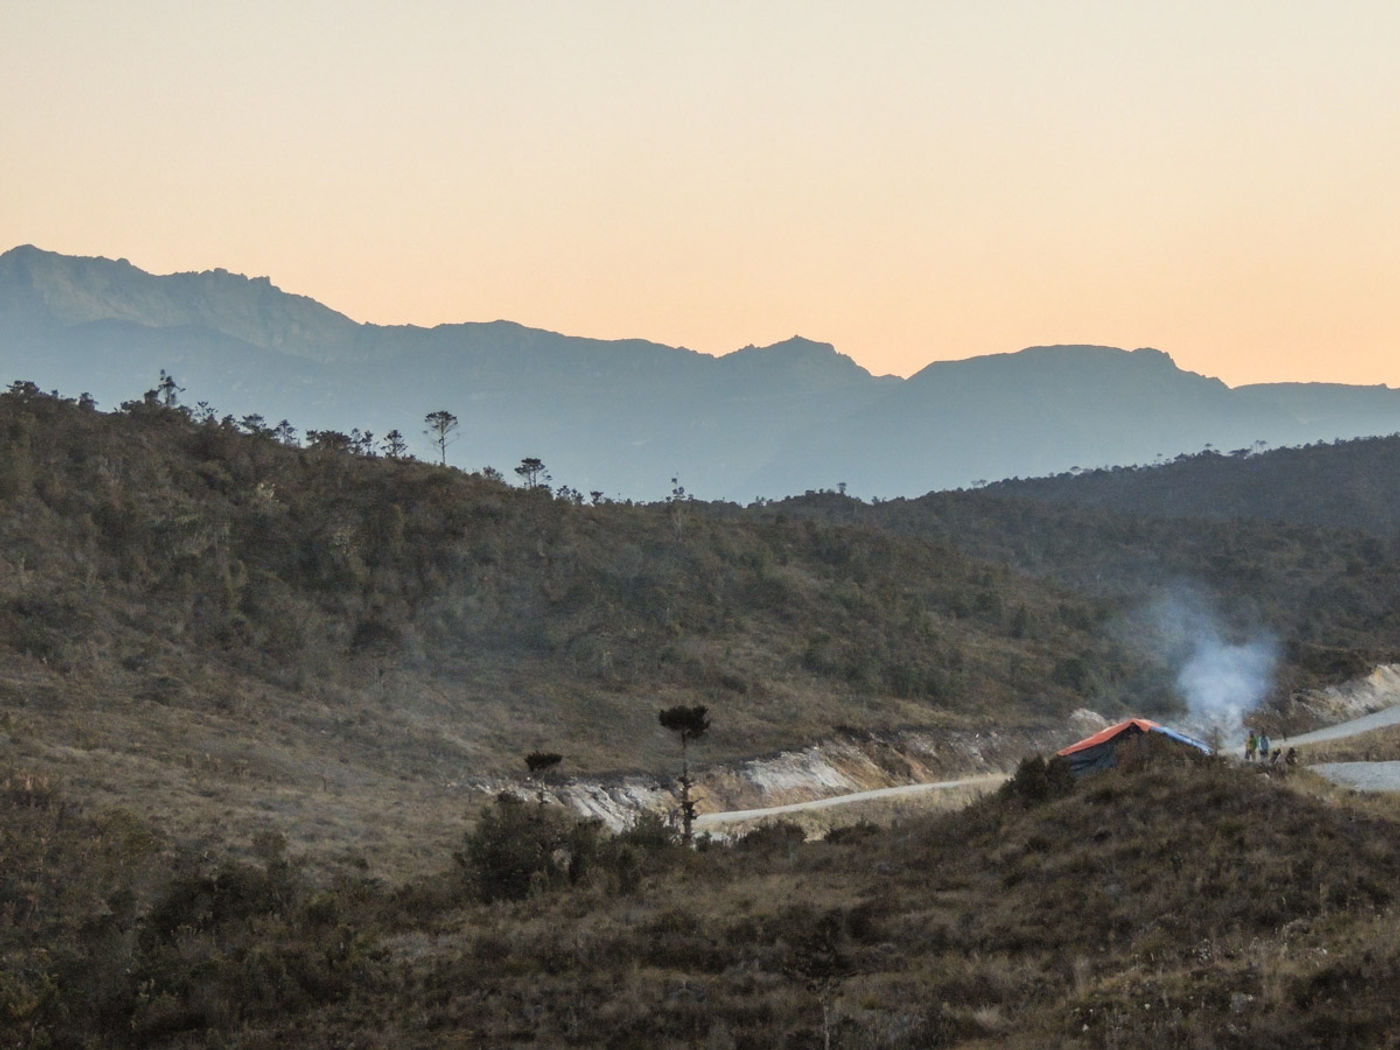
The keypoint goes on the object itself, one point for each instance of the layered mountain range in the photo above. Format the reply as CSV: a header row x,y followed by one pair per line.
x,y
625,417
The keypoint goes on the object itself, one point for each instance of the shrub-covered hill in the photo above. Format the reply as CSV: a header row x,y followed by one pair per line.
x,y
229,628
1342,484
1329,596
1173,904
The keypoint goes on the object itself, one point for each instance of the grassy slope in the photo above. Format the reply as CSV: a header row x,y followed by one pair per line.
x,y
1379,745
218,631
209,638
1176,904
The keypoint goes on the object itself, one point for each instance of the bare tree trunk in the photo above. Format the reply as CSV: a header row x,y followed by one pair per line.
x,y
687,807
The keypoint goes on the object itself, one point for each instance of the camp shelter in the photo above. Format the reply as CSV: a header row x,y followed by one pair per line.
x,y
1100,751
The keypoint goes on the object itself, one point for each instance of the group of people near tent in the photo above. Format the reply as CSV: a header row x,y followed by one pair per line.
x,y
1102,750
1259,745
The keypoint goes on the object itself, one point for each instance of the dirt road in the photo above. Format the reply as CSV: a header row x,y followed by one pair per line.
x,y
714,821
1363,776
1375,720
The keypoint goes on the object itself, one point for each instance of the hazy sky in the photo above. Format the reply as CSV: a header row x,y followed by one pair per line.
x,y
910,180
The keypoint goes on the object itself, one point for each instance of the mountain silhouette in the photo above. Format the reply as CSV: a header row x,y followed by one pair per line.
x,y
623,417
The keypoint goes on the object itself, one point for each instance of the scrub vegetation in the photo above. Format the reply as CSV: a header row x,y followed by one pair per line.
x,y
1176,903
208,623
247,686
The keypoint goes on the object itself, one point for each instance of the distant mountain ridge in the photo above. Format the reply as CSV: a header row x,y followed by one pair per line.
x,y
69,290
625,416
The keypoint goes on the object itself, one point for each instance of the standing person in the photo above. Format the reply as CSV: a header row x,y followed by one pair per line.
x,y
1251,744
1264,746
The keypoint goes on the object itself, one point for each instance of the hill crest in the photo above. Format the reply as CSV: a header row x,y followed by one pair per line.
x,y
625,416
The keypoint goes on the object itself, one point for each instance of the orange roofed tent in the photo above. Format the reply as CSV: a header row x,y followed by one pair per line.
x,y
1100,751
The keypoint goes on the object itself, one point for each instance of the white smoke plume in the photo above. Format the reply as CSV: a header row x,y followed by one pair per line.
x,y
1220,677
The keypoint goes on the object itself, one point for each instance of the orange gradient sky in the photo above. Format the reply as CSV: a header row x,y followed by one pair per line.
x,y
910,181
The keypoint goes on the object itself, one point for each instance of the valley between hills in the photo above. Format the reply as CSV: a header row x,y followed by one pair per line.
x,y
257,698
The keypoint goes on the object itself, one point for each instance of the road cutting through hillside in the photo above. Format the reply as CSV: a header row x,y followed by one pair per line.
x,y
1364,776
707,821
1360,776
1387,716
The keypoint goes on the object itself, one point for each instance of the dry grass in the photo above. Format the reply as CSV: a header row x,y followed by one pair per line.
x,y
211,780
243,689
229,635
817,821
1378,745
1182,904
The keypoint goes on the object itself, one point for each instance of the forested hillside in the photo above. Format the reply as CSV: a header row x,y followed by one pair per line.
x,y
1342,484
1297,544
187,601
189,611
246,685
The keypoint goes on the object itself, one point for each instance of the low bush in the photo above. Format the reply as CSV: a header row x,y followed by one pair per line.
x,y
1037,780
518,848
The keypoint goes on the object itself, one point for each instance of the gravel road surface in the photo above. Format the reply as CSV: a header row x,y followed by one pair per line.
x,y
734,816
1375,720
1362,776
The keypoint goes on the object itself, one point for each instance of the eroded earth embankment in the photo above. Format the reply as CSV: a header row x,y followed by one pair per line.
x,y
851,762
848,762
